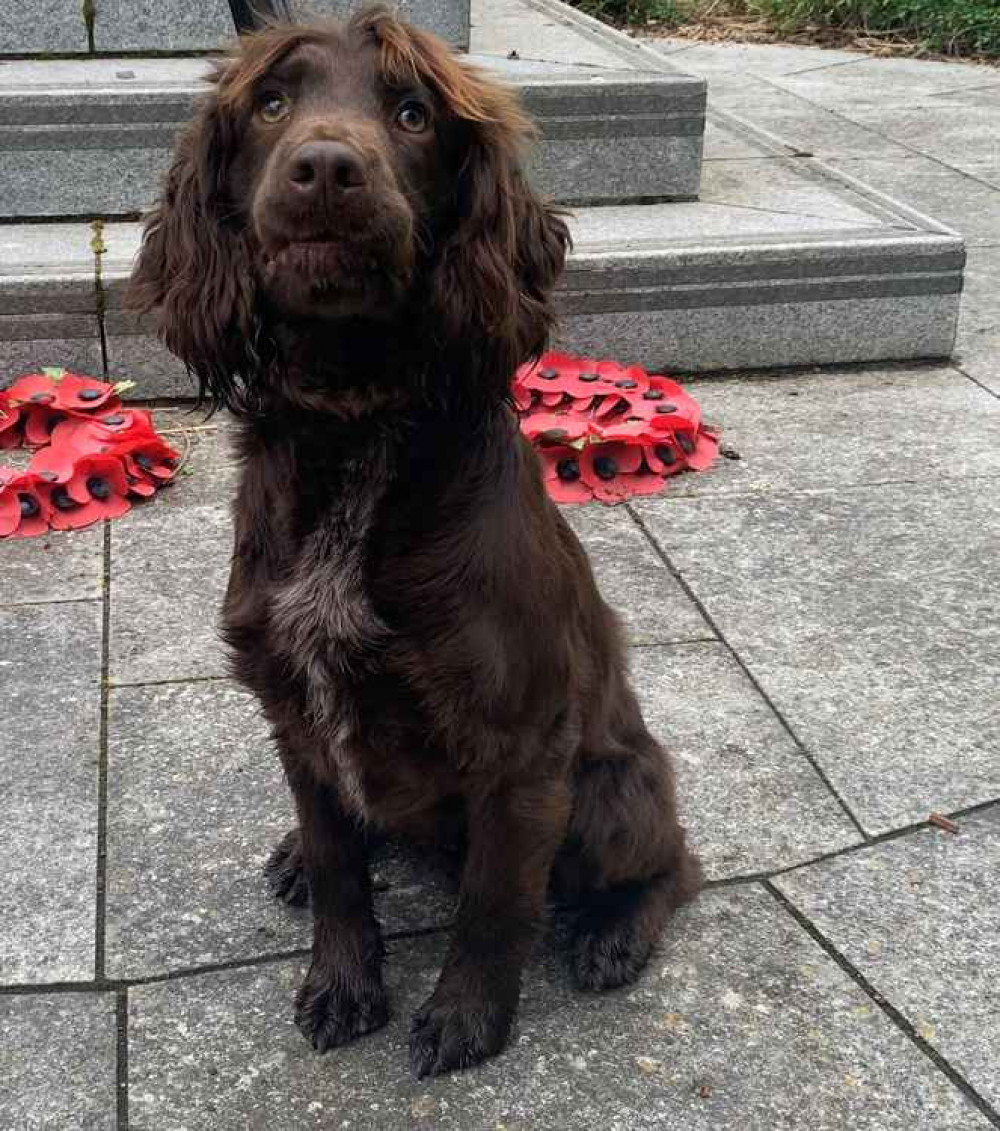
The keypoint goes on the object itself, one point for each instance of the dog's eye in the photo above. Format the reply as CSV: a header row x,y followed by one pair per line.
x,y
412,117
273,106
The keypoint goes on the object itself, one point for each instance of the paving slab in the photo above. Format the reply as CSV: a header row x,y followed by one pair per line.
x,y
964,204
633,580
886,84
978,345
59,1057
43,26
742,1021
50,662
196,802
919,919
169,569
542,32
869,616
749,796
834,428
62,566
742,59
950,133
803,127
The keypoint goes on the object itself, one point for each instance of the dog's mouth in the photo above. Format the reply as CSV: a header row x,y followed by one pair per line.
x,y
328,275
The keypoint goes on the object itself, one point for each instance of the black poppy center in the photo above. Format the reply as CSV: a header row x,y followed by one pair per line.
x,y
29,506
89,394
665,453
568,470
98,488
605,467
61,500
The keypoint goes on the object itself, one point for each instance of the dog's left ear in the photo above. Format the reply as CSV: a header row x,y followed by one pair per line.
x,y
194,269
496,268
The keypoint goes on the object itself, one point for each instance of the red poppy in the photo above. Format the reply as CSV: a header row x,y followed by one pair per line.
x,y
10,416
97,489
24,504
607,431
562,475
61,389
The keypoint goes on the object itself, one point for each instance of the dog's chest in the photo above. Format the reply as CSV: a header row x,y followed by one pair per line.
x,y
325,627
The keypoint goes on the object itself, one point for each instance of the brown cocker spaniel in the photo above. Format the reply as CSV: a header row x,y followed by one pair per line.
x,y
347,254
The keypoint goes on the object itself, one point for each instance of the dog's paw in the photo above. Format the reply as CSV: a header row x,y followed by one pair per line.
x,y
331,1012
450,1034
285,872
609,953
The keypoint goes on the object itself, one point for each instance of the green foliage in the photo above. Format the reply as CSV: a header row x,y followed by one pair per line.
x,y
954,27
632,11
951,26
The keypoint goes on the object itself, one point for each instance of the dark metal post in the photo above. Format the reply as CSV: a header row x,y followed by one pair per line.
x,y
251,14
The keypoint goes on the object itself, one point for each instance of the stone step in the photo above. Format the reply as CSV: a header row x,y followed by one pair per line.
x,y
783,262
50,27
86,138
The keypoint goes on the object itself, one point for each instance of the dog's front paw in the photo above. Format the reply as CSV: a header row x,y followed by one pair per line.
x,y
456,1032
332,1011
285,871
609,954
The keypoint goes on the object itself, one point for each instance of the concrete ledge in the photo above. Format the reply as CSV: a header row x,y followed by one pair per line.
x,y
94,137
42,27
785,262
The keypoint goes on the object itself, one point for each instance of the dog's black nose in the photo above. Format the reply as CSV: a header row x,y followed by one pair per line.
x,y
320,166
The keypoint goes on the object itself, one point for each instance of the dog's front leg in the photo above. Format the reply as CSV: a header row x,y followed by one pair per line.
x,y
514,833
342,996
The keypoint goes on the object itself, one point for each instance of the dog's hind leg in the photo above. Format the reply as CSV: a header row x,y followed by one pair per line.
x,y
625,866
285,871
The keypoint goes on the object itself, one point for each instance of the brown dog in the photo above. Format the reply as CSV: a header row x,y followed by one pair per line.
x,y
347,255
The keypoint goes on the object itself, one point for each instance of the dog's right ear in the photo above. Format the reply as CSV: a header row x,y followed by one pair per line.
x,y
195,270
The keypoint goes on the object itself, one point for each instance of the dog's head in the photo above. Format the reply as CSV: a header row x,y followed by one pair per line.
x,y
355,179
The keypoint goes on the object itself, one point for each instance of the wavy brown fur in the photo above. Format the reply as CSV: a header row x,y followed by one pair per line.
x,y
418,621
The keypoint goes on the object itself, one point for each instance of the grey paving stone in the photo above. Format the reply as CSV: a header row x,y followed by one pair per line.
x,y
148,25
62,566
80,182
950,197
886,84
502,26
978,346
779,188
633,580
756,336
196,802
828,429
742,1022
806,128
951,133
869,616
169,569
446,18
59,1062
142,25
80,352
750,58
50,673
42,26
750,798
918,917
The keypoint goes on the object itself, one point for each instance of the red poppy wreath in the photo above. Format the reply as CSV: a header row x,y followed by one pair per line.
x,y
607,432
91,453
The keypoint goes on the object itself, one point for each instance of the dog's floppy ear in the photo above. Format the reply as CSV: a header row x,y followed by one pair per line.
x,y
495,271
194,268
